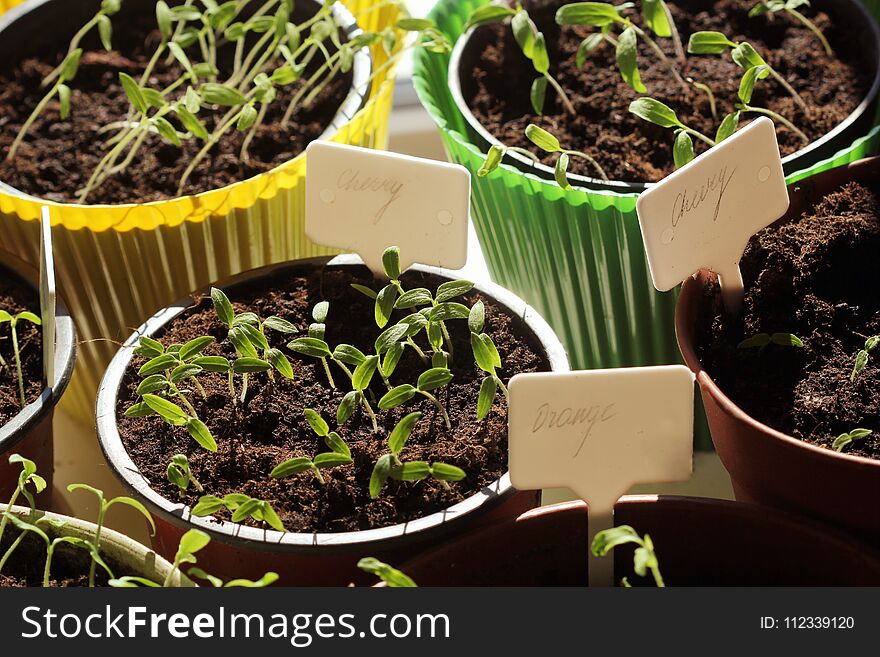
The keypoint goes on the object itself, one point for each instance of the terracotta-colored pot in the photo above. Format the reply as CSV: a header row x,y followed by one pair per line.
x,y
699,542
766,465
307,559
30,432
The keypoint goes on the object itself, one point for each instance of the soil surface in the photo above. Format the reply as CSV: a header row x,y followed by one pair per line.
x,y
70,565
271,427
57,157
814,277
16,297
629,149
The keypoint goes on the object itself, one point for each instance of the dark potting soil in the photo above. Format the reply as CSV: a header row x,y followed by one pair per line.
x,y
16,297
57,157
271,427
814,277
629,149
70,565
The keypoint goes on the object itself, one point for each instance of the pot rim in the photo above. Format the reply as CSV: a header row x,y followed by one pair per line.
x,y
113,542
21,424
540,171
685,313
178,513
358,95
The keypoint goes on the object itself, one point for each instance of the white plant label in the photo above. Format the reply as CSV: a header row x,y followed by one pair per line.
x,y
47,296
703,215
364,200
600,432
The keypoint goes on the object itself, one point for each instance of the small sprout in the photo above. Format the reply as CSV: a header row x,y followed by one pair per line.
x,y
391,576
645,558
863,356
339,454
550,144
389,466
241,507
845,439
487,358
432,379
103,506
266,580
180,474
13,328
191,542
790,7
762,340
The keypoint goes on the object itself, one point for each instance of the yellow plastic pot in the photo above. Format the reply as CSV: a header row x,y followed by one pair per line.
x,y
118,264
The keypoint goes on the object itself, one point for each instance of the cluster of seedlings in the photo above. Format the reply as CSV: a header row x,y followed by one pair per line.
x,y
45,528
615,28
209,99
171,375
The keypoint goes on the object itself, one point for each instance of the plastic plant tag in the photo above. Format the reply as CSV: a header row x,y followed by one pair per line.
x,y
365,200
599,432
47,297
703,215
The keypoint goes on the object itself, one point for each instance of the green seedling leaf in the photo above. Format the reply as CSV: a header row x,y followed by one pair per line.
x,y
249,365
152,384
346,407
593,14
786,340
542,139
488,389
138,410
709,43
655,17
434,378
413,298
682,149
397,396
168,411
411,471
207,505
133,91
64,101
312,347
212,363
448,311
493,160
349,355
200,433
280,362
219,94
845,439
335,442
525,32
191,122
391,576
401,432
627,59
385,301
588,47
446,472
280,325
331,460
316,422
477,317
728,126
363,373
363,289
392,358
653,111
747,84
184,372
390,337
157,365
560,171
222,306
452,289
194,347
381,473
149,347
391,262
488,14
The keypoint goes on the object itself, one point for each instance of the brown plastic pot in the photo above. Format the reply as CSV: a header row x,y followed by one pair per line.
x,y
857,124
30,432
699,542
765,465
308,559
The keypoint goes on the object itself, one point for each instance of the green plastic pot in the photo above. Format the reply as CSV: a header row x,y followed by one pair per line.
x,y
576,256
